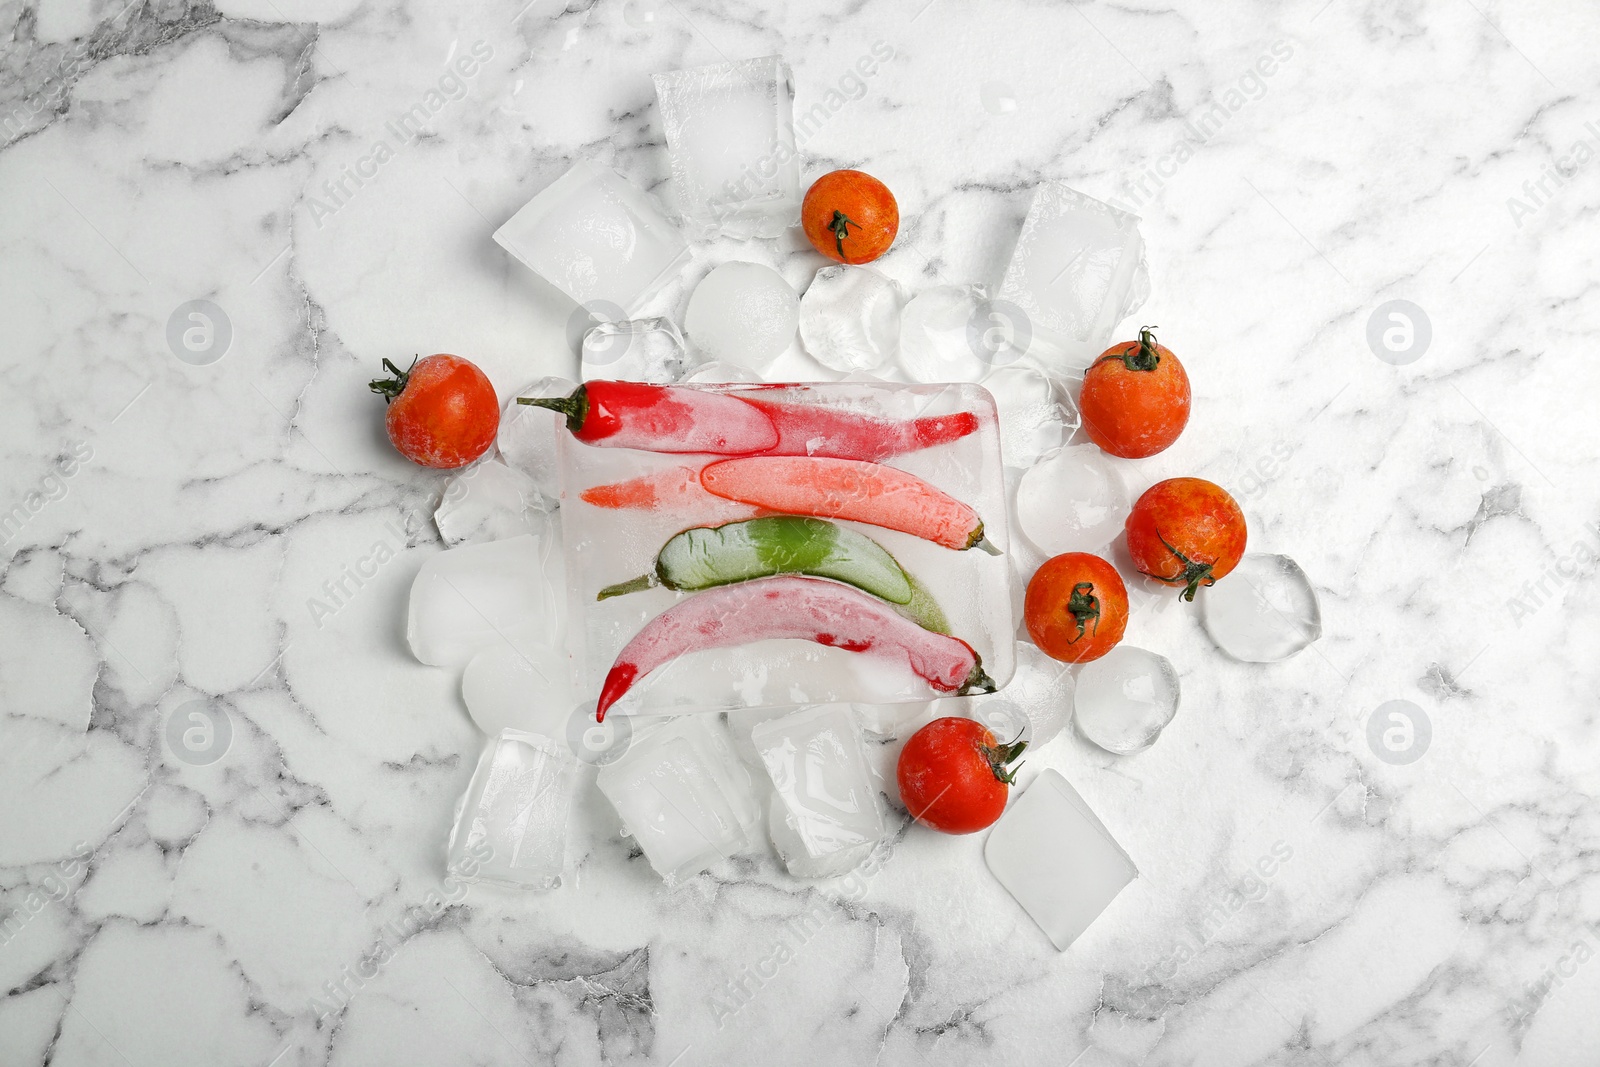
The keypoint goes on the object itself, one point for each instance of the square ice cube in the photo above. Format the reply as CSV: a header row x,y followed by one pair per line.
x,y
817,765
512,825
598,238
1057,859
635,350
683,795
730,137
1077,271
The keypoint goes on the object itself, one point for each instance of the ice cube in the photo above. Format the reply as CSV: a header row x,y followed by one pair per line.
x,y
730,141
1057,859
945,336
682,795
511,826
742,313
634,350
717,372
850,318
743,722
1037,415
470,598
598,238
1077,271
1125,699
522,688
1072,502
895,720
1032,707
527,440
785,837
816,763
489,502
1264,611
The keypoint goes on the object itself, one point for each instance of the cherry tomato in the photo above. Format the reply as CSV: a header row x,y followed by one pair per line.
x,y
442,411
1135,398
1076,608
1186,531
850,216
954,776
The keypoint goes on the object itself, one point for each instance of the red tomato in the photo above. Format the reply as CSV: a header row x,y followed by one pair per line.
x,y
953,775
1135,398
1076,608
442,411
850,216
1186,531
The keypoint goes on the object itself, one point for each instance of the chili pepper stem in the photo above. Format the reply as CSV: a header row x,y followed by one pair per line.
x,y
390,388
632,585
978,682
574,407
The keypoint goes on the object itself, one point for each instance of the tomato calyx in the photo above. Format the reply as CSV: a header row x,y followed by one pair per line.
x,y
1000,757
1144,357
1193,574
1083,606
575,407
839,226
391,388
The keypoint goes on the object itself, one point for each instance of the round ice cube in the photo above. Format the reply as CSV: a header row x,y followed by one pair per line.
x,y
1036,415
935,335
527,688
1033,707
1264,611
1125,699
1072,502
850,318
742,313
716,372
527,438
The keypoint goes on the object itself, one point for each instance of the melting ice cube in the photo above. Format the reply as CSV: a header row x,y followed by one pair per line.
x,y
1265,611
1057,859
1072,502
635,350
489,502
815,760
1125,699
523,688
598,238
511,828
683,795
527,439
1078,270
730,139
951,333
469,598
742,313
850,318
1036,414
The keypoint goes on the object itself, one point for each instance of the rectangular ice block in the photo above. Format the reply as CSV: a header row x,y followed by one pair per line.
x,y
815,759
730,138
1057,859
598,238
1077,271
512,826
606,546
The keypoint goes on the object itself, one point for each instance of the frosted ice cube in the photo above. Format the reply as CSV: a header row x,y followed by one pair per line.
x,y
742,723
895,720
511,826
523,688
742,313
716,372
527,438
730,140
1125,699
489,502
1036,414
943,336
1072,502
785,837
635,350
469,598
1057,859
682,795
850,318
1077,271
815,760
597,237
1033,706
1264,611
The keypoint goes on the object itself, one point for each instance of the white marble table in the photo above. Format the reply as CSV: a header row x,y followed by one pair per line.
x,y
168,523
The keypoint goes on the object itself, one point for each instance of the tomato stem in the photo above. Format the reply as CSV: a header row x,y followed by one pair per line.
x,y
390,388
839,226
1000,757
1193,574
1142,357
574,407
1083,605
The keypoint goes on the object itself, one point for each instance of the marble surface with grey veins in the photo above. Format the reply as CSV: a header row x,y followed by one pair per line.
x,y
1432,898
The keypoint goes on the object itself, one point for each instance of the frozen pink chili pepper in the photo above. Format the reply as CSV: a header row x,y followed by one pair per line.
x,y
804,609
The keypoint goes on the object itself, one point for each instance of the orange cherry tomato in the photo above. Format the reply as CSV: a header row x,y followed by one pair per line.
x,y
1187,532
1135,398
442,413
850,216
1076,608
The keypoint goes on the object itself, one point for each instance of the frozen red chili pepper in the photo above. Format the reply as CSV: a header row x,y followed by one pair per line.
x,y
662,418
818,430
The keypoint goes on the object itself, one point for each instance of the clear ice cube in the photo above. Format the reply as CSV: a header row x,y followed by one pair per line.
x,y
683,795
523,688
489,502
815,760
1264,611
850,318
742,313
598,238
953,333
718,372
785,836
511,826
470,598
1057,859
730,142
1077,271
1125,699
1074,501
634,350
1037,416
527,438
